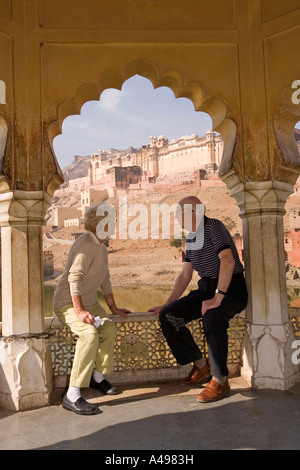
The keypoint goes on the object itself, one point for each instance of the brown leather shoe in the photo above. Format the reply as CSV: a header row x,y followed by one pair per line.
x,y
197,375
213,392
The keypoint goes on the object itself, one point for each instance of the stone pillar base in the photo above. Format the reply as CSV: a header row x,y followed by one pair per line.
x,y
25,380
267,357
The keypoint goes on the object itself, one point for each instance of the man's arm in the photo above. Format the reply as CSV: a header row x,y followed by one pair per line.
x,y
76,275
225,276
82,314
180,285
109,299
226,270
86,317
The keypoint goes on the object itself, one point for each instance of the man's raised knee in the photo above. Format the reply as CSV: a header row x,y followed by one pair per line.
x,y
89,334
213,321
162,315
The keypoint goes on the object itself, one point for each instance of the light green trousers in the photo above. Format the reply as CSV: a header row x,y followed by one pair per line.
x,y
94,347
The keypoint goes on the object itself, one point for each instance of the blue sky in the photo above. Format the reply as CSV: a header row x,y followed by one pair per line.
x,y
128,117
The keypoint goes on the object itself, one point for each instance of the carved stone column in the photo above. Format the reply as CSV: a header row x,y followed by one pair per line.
x,y
26,371
267,355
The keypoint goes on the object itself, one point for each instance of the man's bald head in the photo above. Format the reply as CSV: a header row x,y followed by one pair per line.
x,y
187,210
192,200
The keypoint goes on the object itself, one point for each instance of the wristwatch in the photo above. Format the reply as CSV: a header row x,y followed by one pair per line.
x,y
218,291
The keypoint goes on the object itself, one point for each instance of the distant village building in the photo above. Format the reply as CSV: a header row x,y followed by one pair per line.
x,y
297,185
60,214
292,246
90,197
72,222
292,237
294,217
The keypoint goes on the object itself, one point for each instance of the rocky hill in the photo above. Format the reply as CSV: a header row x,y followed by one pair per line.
x,y
78,168
80,164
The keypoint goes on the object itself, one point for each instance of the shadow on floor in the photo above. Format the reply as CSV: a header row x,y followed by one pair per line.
x,y
165,419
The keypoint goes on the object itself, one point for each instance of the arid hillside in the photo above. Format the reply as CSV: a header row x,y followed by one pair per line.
x,y
148,261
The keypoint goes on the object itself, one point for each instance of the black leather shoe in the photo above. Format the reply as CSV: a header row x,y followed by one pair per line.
x,y
81,407
104,386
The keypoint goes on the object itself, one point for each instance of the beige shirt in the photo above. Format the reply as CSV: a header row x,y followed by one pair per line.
x,y
85,272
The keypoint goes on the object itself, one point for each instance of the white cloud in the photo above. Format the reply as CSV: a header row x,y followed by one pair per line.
x,y
110,100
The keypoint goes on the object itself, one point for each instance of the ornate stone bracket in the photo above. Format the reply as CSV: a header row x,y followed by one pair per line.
x,y
26,377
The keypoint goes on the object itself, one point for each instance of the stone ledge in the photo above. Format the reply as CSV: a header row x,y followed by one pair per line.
x,y
141,352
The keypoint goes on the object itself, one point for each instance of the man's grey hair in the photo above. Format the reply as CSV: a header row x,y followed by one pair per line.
x,y
91,219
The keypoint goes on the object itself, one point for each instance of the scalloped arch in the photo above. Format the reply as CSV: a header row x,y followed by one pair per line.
x,y
172,79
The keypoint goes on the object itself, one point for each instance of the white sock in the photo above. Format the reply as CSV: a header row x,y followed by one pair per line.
x,y
200,363
98,377
73,394
220,380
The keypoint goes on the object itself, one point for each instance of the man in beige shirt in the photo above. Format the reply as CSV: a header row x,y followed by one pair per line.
x,y
76,305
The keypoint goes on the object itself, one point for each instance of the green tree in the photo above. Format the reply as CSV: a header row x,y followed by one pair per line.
x,y
177,242
229,223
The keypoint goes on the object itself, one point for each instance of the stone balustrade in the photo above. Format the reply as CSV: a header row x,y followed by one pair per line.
x,y
141,352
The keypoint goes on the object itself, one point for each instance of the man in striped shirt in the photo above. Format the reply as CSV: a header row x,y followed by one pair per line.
x,y
221,294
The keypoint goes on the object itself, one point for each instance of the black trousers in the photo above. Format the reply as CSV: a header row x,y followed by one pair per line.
x,y
175,316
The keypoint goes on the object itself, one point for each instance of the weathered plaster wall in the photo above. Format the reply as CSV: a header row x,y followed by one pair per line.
x,y
234,59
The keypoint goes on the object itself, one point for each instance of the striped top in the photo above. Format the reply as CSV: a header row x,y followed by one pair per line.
x,y
204,246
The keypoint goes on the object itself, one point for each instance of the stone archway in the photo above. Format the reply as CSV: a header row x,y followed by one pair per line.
x,y
22,215
232,59
261,202
172,79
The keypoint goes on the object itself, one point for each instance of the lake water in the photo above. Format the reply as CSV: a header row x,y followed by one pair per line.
x,y
135,299
140,299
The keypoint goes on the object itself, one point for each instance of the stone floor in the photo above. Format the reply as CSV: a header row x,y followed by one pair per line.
x,y
161,416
